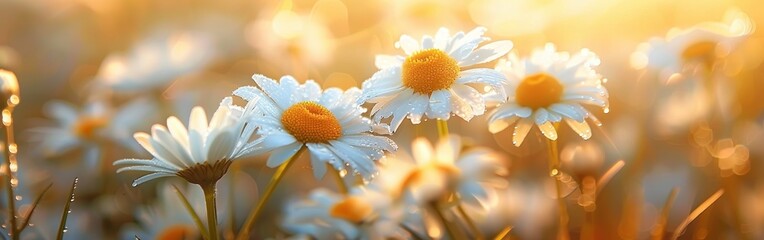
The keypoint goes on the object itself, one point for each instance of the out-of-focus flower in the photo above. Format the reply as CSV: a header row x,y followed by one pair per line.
x,y
167,218
88,127
681,105
291,39
430,82
328,122
362,214
200,154
583,159
547,88
700,45
155,62
472,174
414,16
527,207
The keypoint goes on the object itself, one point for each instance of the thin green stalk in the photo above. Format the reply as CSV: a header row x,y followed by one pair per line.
x,y
67,210
250,222
470,224
10,158
503,234
232,202
212,213
338,178
450,229
190,210
442,128
660,227
554,172
34,206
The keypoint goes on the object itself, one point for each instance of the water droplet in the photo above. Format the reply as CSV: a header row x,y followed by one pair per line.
x,y
343,172
554,173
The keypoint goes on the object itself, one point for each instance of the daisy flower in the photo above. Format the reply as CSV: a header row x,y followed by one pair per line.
x,y
547,88
201,153
363,214
430,80
87,127
702,44
328,123
155,62
436,172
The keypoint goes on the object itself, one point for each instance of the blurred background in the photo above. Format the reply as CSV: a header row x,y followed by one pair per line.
x,y
93,72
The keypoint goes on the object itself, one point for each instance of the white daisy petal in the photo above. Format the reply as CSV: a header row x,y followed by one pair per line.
x,y
408,44
422,150
149,177
499,125
282,154
62,111
521,131
547,128
582,128
388,61
272,141
440,105
487,53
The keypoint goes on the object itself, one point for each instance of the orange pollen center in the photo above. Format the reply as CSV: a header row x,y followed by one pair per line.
x,y
538,91
311,122
177,232
87,127
429,70
704,51
353,209
422,175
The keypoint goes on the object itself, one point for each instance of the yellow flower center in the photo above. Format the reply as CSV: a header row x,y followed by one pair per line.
x,y
177,232
429,70
703,52
353,209
431,175
87,127
311,122
538,91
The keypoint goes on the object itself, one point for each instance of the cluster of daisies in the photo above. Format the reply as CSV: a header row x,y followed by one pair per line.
x,y
433,80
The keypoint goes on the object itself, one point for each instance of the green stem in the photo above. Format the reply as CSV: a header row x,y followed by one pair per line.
x,y
446,224
338,178
10,158
554,172
212,213
250,222
442,128
471,224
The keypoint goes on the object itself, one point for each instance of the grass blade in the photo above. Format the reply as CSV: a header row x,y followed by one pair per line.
x,y
609,174
660,227
695,213
191,211
503,234
34,206
67,209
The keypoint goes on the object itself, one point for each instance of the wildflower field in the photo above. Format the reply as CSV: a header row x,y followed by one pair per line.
x,y
381,119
